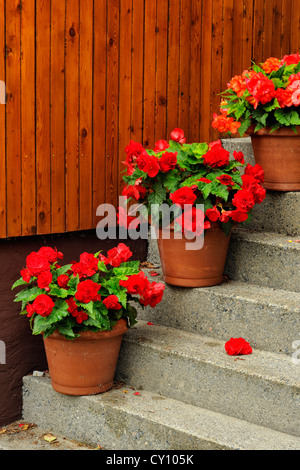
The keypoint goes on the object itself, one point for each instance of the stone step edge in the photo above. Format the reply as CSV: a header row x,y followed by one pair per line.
x,y
269,366
20,435
124,419
280,297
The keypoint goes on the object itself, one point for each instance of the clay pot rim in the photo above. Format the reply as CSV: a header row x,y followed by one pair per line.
x,y
215,226
282,131
118,329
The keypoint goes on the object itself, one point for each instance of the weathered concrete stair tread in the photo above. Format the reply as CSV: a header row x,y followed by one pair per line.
x,y
230,309
270,366
119,420
266,259
260,388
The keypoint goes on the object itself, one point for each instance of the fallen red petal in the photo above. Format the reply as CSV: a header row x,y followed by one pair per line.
x,y
153,273
237,346
149,323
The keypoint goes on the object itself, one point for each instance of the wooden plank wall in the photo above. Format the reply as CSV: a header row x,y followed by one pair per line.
x,y
84,77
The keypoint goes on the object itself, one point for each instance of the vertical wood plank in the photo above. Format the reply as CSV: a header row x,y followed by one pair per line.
x,y
137,70
13,117
295,27
29,226
237,53
173,66
2,128
268,29
85,118
184,65
276,32
217,28
43,162
72,115
206,71
112,132
258,30
57,150
99,106
149,74
227,43
247,34
125,81
286,26
161,70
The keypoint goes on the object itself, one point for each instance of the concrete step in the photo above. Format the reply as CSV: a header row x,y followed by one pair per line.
x,y
268,318
262,388
279,212
122,420
21,435
264,259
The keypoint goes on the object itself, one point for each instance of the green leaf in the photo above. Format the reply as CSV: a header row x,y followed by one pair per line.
x,y
244,126
28,295
158,195
42,324
89,307
132,314
282,117
20,282
172,180
127,269
113,287
63,269
220,190
295,118
58,292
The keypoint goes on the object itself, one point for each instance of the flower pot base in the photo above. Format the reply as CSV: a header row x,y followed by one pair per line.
x,y
81,391
281,186
182,282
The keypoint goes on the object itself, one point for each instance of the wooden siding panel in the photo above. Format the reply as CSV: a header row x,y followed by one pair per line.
x,y
13,119
83,77
2,129
57,148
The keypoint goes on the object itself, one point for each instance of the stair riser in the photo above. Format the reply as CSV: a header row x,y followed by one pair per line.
x,y
247,397
279,213
267,265
101,423
221,315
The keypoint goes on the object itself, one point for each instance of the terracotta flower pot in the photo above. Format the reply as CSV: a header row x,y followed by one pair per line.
x,y
279,155
87,364
194,268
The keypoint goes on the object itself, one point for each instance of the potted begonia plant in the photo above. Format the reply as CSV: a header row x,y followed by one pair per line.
x,y
208,195
264,102
83,310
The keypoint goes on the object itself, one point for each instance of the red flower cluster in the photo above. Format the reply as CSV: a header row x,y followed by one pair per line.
x,y
38,265
237,346
225,123
80,315
42,305
87,291
183,196
217,156
150,293
261,89
86,267
117,255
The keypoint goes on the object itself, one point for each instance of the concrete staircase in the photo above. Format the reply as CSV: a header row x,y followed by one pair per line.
x,y
176,387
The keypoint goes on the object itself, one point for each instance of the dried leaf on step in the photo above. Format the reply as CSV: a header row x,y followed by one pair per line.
x,y
49,438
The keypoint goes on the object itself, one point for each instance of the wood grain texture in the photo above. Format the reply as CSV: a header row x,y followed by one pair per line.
x,y
83,77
